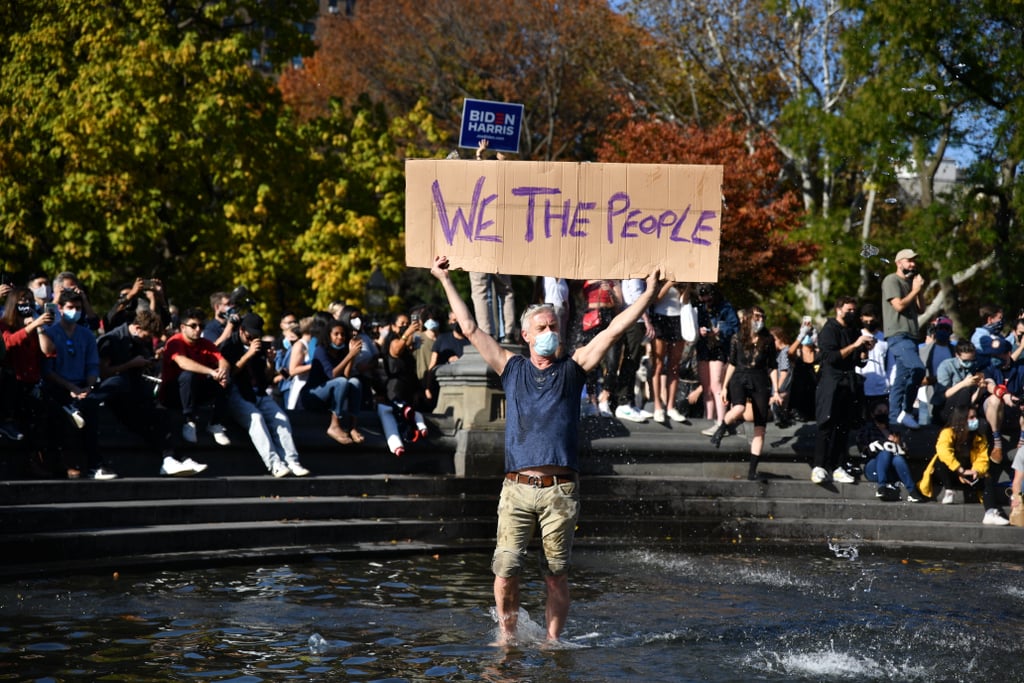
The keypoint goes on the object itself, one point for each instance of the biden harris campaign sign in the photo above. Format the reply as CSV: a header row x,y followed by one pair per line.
x,y
497,122
563,219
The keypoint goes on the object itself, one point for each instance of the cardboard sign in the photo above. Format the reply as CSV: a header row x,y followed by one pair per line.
x,y
497,122
571,220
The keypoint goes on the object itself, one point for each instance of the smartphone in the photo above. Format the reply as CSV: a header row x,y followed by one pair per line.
x,y
806,320
51,308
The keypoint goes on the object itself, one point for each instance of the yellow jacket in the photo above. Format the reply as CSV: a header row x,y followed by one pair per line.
x,y
944,453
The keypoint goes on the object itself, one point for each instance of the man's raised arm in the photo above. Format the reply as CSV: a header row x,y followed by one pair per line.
x,y
493,353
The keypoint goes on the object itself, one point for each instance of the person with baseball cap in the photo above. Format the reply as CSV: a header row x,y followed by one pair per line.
x,y
252,407
902,304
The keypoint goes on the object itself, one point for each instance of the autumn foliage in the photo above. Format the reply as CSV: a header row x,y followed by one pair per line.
x,y
565,62
758,253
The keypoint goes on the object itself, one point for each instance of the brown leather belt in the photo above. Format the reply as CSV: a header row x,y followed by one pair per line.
x,y
543,481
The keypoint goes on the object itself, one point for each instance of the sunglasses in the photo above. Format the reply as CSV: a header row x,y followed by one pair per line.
x,y
194,326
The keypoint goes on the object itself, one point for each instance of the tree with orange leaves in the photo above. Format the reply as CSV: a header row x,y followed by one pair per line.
x,y
758,254
566,62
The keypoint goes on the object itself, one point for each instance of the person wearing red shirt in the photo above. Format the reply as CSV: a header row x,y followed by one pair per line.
x,y
195,373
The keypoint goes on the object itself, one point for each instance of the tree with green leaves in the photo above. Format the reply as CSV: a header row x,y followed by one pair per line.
x,y
137,139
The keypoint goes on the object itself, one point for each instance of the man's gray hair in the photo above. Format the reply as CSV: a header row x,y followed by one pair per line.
x,y
524,320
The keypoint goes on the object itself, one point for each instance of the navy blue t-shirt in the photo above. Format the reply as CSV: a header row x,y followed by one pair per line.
x,y
542,413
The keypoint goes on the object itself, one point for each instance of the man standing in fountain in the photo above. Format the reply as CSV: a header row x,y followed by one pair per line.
x,y
541,486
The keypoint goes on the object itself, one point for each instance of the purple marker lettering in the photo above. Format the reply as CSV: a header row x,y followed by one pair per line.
x,y
675,236
700,227
532,192
550,216
617,198
482,225
450,225
579,220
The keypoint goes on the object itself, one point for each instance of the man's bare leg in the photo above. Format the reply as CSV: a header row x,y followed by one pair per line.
x,y
506,600
557,610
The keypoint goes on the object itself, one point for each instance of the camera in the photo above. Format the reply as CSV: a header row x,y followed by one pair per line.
x,y
239,302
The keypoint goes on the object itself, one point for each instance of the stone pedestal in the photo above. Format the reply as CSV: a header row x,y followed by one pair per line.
x,y
471,392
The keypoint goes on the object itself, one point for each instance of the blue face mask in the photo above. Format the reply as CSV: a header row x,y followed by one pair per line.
x,y
994,327
287,344
430,324
337,347
546,343
71,315
972,424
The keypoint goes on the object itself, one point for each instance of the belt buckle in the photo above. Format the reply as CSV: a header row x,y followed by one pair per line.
x,y
535,481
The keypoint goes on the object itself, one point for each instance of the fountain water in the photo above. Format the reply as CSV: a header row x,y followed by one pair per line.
x,y
833,615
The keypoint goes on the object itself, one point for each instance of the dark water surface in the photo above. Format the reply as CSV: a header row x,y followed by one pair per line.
x,y
637,616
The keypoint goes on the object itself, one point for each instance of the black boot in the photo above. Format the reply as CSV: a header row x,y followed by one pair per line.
x,y
716,438
752,470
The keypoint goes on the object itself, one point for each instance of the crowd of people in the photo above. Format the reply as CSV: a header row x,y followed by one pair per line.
x,y
865,375
171,375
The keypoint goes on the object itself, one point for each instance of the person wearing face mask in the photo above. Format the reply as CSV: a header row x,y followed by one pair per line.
x,y
542,397
450,345
21,371
937,347
69,377
902,305
987,333
874,371
367,366
837,400
958,381
749,378
961,463
885,458
39,286
252,407
331,384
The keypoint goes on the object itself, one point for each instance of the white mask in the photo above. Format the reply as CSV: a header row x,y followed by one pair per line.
x,y
356,324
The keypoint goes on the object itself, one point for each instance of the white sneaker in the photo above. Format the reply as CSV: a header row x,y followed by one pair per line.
x,y
628,413
659,416
280,470
993,518
188,432
102,474
710,431
947,497
819,475
219,435
645,414
603,409
907,420
298,470
196,467
842,476
172,468
676,416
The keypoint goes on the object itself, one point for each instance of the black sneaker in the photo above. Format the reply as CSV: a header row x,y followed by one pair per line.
x,y
917,497
887,493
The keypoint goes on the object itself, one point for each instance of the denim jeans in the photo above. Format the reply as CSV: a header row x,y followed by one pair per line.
x,y
268,427
881,467
907,371
343,396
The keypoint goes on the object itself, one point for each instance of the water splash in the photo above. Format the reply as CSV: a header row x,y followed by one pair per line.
x,y
868,250
317,644
844,552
